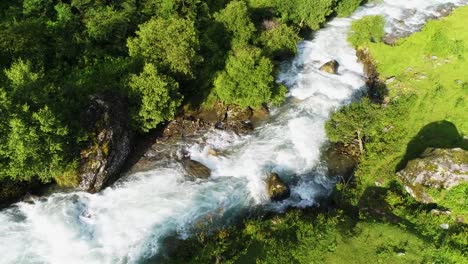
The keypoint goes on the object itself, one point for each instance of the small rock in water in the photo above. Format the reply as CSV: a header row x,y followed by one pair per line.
x,y
211,152
30,198
196,169
277,189
444,226
330,67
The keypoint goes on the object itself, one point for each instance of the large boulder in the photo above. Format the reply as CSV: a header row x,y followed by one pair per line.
x,y
330,67
435,168
195,169
277,189
106,118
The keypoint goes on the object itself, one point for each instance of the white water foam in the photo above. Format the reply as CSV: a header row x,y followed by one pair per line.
x,y
127,222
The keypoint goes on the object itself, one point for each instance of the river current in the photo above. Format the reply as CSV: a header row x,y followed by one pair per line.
x,y
127,222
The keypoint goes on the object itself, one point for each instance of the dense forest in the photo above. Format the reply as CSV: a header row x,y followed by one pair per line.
x,y
159,55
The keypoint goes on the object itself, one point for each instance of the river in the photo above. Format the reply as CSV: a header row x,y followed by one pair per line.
x,y
125,223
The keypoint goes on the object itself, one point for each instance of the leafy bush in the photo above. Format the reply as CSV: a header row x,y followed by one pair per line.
x,y
367,29
345,8
236,18
279,40
175,52
155,98
247,80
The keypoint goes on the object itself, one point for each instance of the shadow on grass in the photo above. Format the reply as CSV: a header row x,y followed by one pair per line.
x,y
440,134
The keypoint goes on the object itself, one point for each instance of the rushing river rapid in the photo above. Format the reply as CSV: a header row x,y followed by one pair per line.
x,y
127,222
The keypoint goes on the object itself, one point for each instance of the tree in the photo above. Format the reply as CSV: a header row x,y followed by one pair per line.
x,y
311,13
103,23
170,44
280,39
247,79
345,8
352,122
235,17
155,98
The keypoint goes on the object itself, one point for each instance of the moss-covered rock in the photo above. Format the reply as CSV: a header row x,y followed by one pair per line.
x,y
330,67
435,168
107,120
277,189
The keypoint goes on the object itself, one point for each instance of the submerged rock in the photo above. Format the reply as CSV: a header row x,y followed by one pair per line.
x,y
277,189
330,67
195,169
106,118
436,168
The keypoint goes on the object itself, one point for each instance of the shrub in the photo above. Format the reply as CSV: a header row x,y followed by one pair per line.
x,y
281,39
155,98
170,44
367,29
247,79
347,7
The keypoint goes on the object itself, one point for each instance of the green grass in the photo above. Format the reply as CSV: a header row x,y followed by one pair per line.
x,y
378,243
430,70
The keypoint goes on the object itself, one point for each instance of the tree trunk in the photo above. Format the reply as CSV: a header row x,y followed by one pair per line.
x,y
361,147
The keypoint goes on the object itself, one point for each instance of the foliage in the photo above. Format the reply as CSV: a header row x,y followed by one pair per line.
x,y
347,7
105,22
279,40
247,79
57,54
155,97
351,120
175,52
311,13
235,17
367,29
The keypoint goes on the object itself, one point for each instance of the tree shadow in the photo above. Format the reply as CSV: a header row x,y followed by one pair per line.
x,y
439,134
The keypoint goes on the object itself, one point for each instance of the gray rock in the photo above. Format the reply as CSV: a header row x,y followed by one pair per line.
x,y
444,226
277,189
436,168
106,118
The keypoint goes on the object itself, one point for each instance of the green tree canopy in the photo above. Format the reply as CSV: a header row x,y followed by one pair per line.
x,y
155,98
235,17
247,79
170,44
279,39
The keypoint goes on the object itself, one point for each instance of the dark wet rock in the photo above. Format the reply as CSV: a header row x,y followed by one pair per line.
x,y
435,168
341,160
277,189
30,198
260,114
330,67
235,113
107,119
195,169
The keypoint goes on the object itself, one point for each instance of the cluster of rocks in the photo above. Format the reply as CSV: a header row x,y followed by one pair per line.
x,y
231,118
